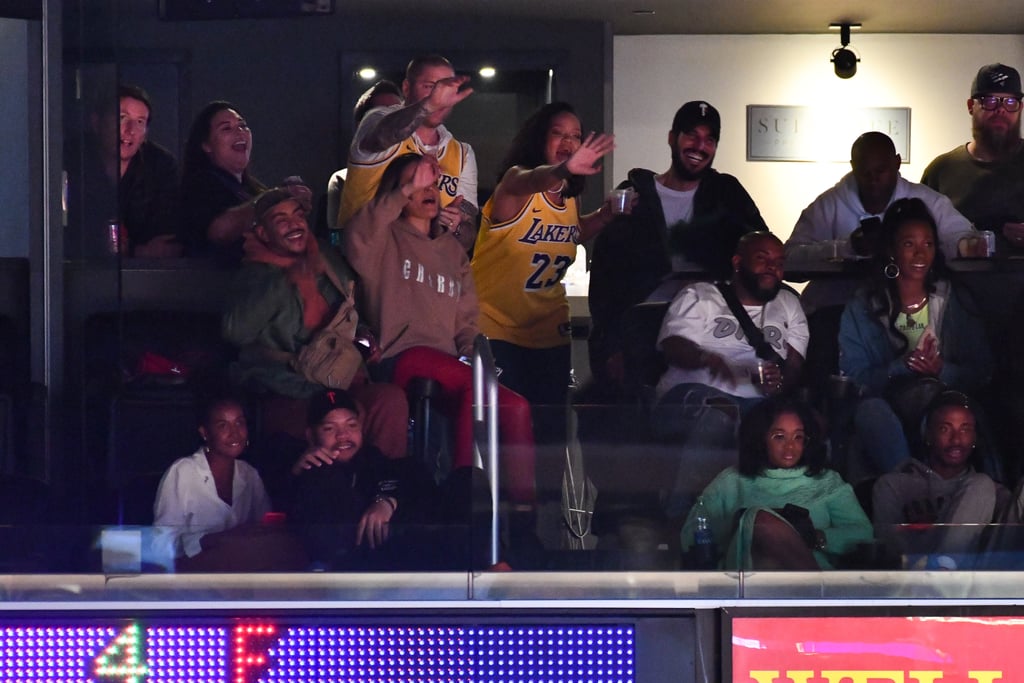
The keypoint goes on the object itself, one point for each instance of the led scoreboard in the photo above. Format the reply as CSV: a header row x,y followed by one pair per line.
x,y
247,650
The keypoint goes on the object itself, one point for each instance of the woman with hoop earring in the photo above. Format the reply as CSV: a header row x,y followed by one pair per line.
x,y
906,335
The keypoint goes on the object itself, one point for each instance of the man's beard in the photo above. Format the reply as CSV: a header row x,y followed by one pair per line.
x,y
998,141
749,280
683,173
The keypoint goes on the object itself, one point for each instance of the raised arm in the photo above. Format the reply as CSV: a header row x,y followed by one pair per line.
x,y
231,224
518,183
366,232
401,123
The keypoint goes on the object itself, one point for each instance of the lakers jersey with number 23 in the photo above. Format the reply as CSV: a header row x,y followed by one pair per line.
x,y
518,266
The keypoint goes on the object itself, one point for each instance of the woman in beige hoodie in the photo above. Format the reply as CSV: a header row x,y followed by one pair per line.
x,y
418,296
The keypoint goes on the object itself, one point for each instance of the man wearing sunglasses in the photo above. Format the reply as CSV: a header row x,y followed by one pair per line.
x,y
985,177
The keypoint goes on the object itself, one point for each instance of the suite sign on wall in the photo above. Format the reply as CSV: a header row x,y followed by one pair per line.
x,y
877,650
784,133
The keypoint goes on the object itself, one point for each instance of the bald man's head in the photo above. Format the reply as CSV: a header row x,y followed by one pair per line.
x,y
754,240
872,141
876,170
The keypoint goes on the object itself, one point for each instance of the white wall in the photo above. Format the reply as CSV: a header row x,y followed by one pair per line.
x,y
931,74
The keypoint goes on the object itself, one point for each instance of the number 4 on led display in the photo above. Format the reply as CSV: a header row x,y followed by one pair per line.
x,y
121,660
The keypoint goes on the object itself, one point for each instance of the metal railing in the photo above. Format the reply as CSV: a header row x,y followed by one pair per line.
x,y
485,428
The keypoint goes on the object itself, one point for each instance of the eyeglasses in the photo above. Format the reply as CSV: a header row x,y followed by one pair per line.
x,y
992,102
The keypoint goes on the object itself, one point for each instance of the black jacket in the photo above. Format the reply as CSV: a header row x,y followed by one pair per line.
x,y
632,255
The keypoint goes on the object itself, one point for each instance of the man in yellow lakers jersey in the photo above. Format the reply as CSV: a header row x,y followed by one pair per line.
x,y
431,90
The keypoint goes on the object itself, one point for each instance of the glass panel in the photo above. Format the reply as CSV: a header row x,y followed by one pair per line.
x,y
21,195
598,514
91,246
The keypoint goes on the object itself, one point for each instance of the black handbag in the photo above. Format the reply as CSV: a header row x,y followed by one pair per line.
x,y
909,396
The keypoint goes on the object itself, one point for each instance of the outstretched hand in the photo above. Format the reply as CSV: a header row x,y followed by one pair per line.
x,y
312,457
426,173
299,190
586,159
447,93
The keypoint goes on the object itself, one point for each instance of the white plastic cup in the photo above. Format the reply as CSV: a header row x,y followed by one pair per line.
x,y
621,200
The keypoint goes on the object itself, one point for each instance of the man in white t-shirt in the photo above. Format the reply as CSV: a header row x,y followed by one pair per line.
x,y
688,218
714,374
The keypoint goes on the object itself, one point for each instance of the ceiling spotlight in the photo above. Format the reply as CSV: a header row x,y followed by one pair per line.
x,y
844,60
367,73
488,72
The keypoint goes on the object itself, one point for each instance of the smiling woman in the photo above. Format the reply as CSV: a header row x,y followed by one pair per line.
x,y
209,505
531,228
216,186
908,327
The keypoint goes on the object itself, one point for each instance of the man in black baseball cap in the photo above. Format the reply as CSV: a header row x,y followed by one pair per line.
x,y
985,177
688,218
996,78
701,128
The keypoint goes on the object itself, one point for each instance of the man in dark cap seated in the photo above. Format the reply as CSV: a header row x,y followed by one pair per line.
x,y
356,508
689,214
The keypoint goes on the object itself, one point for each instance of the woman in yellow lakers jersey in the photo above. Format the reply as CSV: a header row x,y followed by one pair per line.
x,y
528,236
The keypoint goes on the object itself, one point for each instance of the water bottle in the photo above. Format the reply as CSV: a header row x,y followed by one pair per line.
x,y
704,553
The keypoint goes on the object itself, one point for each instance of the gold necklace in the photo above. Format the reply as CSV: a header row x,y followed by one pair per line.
x,y
911,308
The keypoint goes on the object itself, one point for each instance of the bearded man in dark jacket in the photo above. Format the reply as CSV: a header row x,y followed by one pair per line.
x,y
688,218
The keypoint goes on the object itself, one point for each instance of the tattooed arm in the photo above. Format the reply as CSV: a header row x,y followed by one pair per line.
x,y
400,124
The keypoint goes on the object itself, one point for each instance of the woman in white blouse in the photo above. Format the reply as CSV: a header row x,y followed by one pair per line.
x,y
211,503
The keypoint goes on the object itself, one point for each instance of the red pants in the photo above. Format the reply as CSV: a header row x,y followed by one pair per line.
x,y
516,452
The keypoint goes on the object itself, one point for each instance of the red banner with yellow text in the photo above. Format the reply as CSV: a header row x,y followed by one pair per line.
x,y
878,650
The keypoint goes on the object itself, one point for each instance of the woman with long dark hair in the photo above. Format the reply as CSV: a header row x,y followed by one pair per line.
x,y
781,508
216,185
908,326
530,229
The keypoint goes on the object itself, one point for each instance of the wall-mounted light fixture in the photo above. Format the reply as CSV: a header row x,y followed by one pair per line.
x,y
844,60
